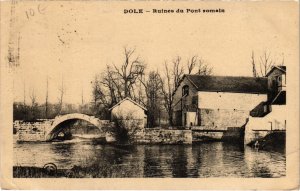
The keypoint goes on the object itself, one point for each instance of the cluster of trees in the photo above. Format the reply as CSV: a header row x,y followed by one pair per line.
x,y
152,89
33,110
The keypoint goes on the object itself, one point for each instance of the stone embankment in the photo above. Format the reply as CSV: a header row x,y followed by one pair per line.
x,y
32,131
37,131
166,136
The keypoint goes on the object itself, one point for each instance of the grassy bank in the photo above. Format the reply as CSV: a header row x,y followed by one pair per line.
x,y
94,171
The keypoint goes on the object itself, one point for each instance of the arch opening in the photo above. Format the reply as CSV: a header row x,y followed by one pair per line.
x,y
71,128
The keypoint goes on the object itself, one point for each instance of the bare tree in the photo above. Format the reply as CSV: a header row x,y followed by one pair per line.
x,y
33,106
24,93
264,63
204,68
32,97
178,70
102,96
46,103
120,82
167,90
117,82
171,81
62,91
253,65
196,65
130,70
107,89
191,64
153,87
140,91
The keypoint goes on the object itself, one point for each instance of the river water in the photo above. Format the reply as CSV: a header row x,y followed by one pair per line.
x,y
215,159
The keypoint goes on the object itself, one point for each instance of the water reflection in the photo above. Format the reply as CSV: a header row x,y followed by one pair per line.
x,y
153,162
202,160
265,164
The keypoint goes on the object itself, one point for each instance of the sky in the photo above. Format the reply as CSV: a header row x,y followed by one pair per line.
x,y
74,41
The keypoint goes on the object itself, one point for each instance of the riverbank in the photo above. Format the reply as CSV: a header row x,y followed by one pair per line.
x,y
94,171
275,141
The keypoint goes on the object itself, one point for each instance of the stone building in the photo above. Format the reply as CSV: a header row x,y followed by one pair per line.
x,y
217,102
127,109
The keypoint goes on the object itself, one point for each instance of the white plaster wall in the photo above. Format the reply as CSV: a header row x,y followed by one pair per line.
x,y
227,100
191,118
128,109
277,117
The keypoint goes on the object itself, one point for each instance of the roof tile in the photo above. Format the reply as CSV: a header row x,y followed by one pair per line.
x,y
229,83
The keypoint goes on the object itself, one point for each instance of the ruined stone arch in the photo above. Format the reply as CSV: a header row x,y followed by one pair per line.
x,y
53,129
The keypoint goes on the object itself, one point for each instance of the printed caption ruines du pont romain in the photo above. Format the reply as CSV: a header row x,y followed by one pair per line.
x,y
170,11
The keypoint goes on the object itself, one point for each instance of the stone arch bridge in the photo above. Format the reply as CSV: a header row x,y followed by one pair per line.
x,y
58,123
48,129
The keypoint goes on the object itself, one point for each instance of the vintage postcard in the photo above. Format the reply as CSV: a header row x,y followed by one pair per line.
x,y
149,94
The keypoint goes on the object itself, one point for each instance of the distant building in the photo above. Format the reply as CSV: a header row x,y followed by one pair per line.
x,y
217,102
127,109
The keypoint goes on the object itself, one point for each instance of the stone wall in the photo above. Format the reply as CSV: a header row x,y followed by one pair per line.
x,y
232,134
32,131
221,119
202,136
164,136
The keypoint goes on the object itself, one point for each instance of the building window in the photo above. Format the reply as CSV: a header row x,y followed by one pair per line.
x,y
195,100
279,80
185,90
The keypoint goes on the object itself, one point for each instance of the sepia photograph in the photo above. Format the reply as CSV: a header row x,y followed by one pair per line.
x,y
193,90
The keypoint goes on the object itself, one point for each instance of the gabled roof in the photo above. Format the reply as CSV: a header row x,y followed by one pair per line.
x,y
281,68
235,84
127,98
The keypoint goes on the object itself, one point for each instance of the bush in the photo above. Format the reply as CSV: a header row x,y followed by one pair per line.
x,y
126,128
